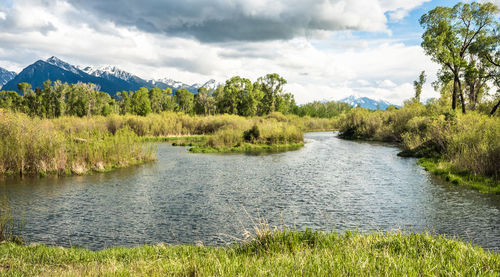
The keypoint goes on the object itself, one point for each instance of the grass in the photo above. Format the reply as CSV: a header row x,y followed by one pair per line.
x,y
10,228
281,253
245,148
34,146
467,146
74,145
446,171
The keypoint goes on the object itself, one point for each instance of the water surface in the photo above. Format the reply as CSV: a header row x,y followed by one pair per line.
x,y
330,184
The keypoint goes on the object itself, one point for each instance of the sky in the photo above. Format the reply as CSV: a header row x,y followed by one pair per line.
x,y
325,49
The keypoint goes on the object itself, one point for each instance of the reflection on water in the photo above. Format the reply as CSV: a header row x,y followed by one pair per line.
x,y
330,184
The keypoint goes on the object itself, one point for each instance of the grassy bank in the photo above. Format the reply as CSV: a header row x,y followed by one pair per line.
x,y
247,147
449,173
34,146
465,148
225,133
276,254
79,145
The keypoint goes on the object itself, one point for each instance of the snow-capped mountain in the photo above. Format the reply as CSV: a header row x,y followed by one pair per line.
x,y
367,103
175,85
109,71
170,83
109,78
211,85
6,76
63,65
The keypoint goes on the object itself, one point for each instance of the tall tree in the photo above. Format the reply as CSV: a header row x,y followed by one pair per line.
x,y
204,103
271,86
184,99
140,102
449,32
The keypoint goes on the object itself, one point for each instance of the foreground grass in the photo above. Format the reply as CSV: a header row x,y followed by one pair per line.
x,y
271,254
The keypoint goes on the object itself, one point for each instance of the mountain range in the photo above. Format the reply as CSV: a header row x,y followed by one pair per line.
x,y
367,103
112,79
6,76
109,79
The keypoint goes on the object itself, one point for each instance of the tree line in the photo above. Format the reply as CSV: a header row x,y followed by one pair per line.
x,y
237,96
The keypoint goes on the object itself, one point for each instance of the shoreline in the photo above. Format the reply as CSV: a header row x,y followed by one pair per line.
x,y
283,253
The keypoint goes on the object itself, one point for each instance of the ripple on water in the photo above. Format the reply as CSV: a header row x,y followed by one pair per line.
x,y
330,184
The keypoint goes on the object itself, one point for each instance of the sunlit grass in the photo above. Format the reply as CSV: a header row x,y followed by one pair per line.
x,y
270,253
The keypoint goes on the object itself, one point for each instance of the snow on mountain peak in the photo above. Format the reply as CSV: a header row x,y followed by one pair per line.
x,y
106,71
62,64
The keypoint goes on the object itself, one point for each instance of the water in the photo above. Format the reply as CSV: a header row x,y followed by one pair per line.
x,y
330,184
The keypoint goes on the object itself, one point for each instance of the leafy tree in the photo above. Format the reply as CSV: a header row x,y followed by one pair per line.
x,y
167,100
271,86
184,99
125,102
204,103
155,99
11,100
140,103
450,32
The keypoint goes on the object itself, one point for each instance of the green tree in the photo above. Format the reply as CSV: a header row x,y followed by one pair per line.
x,y
271,86
184,99
204,103
167,100
449,33
125,101
155,99
140,103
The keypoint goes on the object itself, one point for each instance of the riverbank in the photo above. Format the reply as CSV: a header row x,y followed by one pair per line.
x,y
462,148
34,146
286,253
82,145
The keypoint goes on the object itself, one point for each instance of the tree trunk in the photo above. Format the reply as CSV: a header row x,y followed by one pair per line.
x,y
454,95
495,108
461,96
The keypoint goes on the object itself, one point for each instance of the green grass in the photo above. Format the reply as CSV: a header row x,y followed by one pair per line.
x,y
176,139
282,253
246,148
446,171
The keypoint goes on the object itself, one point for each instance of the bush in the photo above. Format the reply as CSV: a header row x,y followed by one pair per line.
x,y
470,142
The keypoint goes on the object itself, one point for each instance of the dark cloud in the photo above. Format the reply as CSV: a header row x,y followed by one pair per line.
x,y
237,20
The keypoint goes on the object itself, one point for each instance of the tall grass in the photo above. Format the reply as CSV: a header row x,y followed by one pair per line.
x,y
77,145
32,146
470,142
10,229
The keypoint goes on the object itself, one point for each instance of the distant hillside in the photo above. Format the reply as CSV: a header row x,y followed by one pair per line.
x,y
367,103
109,79
6,76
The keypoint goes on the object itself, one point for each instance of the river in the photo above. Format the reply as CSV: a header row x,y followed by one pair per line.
x,y
330,184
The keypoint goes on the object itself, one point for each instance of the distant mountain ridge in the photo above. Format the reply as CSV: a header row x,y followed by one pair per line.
x,y
6,76
110,79
367,103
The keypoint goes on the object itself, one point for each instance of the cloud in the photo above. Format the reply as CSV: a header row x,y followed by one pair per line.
x,y
242,20
156,39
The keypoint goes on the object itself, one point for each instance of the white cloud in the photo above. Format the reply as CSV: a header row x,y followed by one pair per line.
x,y
314,69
